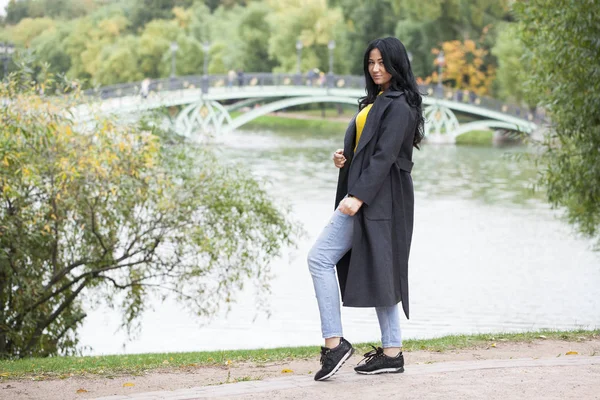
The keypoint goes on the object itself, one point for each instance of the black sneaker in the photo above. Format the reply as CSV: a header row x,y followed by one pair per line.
x,y
333,359
376,362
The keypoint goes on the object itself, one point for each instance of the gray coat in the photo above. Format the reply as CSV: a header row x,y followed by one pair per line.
x,y
375,272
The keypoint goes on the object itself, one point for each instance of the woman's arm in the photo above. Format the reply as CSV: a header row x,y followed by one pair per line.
x,y
394,128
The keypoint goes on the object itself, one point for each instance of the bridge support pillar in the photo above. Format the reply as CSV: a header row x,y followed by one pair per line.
x,y
204,84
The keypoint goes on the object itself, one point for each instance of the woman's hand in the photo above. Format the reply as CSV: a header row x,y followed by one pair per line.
x,y
338,158
350,205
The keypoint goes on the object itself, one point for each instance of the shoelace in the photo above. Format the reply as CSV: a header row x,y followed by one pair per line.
x,y
371,355
324,356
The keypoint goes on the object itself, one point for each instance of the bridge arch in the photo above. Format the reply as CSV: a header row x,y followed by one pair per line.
x,y
286,103
489,124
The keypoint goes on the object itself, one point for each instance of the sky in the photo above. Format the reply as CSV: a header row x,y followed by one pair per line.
x,y
3,4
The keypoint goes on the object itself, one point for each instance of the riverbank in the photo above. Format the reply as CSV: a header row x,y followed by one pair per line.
x,y
312,121
112,365
277,369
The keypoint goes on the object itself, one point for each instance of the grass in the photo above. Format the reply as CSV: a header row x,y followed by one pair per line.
x,y
270,122
476,138
330,112
110,366
273,122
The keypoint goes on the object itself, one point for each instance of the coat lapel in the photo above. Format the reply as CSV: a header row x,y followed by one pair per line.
x,y
381,103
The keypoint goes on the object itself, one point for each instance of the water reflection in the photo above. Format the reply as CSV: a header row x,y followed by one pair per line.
x,y
495,175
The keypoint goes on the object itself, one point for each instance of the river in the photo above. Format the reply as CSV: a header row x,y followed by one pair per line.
x,y
488,255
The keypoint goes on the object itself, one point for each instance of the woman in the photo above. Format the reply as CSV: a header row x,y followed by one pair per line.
x,y
369,234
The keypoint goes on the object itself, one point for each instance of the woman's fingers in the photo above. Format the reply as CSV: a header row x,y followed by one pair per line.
x,y
338,158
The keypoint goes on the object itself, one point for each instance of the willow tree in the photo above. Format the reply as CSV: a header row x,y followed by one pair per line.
x,y
562,54
115,214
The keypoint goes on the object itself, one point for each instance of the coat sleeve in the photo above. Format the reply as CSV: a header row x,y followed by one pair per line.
x,y
394,128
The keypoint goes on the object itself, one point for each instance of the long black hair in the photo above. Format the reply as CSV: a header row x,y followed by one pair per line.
x,y
397,64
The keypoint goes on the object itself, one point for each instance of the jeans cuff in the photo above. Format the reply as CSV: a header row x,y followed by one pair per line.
x,y
388,345
332,335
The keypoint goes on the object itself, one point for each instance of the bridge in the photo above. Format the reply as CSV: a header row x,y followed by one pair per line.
x,y
206,102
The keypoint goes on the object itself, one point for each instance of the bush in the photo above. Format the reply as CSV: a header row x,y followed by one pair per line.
x,y
116,215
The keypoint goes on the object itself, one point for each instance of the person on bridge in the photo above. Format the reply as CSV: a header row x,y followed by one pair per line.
x,y
369,235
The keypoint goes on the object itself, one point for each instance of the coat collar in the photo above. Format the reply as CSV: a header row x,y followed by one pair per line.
x,y
381,103
393,94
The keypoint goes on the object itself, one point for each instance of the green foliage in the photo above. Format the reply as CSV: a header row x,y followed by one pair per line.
x,y
562,40
17,10
116,214
365,21
154,45
424,25
512,72
309,21
28,29
145,11
255,36
49,50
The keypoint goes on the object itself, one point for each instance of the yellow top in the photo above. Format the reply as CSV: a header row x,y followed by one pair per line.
x,y
361,119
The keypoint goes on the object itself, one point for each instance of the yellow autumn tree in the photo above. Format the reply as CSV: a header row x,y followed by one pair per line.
x,y
116,214
464,67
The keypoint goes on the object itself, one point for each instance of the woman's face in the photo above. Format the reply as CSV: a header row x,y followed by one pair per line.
x,y
377,70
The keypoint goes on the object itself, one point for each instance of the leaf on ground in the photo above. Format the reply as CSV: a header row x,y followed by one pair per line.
x,y
4,374
571,353
286,371
128,384
166,362
493,345
542,337
81,391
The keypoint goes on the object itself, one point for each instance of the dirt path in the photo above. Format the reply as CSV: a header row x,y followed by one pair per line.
x,y
541,369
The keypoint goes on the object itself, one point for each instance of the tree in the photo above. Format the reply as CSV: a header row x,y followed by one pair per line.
x,y
154,45
365,21
49,49
311,22
511,71
254,36
145,11
119,62
116,214
562,54
425,25
28,29
464,67
16,11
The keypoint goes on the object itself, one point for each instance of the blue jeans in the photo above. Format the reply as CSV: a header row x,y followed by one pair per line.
x,y
334,241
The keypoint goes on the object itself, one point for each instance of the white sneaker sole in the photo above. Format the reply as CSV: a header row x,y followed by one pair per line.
x,y
339,365
382,371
